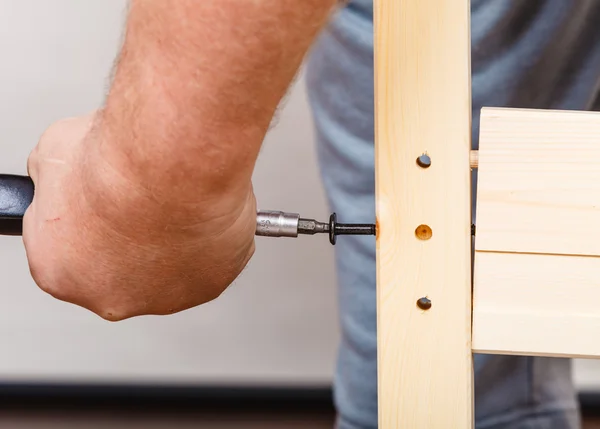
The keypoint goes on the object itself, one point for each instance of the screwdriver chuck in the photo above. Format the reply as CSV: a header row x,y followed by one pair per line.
x,y
277,224
280,224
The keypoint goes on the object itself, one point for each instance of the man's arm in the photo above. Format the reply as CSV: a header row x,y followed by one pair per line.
x,y
146,206
198,83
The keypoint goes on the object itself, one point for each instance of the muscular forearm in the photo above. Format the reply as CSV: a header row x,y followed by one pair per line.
x,y
146,207
196,86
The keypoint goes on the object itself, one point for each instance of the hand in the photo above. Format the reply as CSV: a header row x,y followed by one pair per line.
x,y
98,238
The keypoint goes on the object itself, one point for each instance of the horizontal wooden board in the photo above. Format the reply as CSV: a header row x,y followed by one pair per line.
x,y
539,182
534,304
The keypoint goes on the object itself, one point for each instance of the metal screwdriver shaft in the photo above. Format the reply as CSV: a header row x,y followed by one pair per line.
x,y
280,224
312,227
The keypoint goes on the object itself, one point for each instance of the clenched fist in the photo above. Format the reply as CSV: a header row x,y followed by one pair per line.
x,y
146,206
99,237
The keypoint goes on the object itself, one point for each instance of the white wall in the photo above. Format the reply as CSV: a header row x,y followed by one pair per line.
x,y
277,324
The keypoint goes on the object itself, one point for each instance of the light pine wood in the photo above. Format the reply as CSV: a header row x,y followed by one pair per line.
x,y
539,182
423,105
536,304
537,264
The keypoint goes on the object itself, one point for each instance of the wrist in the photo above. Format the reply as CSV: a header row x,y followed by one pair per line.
x,y
135,203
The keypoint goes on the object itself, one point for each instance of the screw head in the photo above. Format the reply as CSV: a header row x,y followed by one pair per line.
x,y
424,161
332,232
424,303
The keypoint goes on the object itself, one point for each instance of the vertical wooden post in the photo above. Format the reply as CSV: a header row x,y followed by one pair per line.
x,y
423,105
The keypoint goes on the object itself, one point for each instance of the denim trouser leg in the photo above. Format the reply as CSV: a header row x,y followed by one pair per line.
x,y
511,392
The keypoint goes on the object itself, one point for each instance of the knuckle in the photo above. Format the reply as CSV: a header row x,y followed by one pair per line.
x,y
112,311
53,134
112,315
44,273
52,288
49,133
32,161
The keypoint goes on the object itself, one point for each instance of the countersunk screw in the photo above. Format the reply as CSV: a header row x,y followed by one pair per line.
x,y
424,161
424,303
336,229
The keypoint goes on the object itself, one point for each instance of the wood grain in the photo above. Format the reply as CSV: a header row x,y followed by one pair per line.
x,y
539,182
423,105
536,304
537,264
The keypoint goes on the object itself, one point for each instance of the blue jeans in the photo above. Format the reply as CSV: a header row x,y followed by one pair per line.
x,y
510,392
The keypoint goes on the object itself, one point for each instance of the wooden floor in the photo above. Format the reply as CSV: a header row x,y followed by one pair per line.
x,y
48,420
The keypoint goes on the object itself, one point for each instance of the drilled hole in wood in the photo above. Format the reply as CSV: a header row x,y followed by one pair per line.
x,y
423,232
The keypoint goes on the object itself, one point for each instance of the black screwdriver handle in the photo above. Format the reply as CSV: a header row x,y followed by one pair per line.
x,y
16,194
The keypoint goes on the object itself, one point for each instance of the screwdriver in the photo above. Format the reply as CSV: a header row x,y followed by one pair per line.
x,y
271,223
16,194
